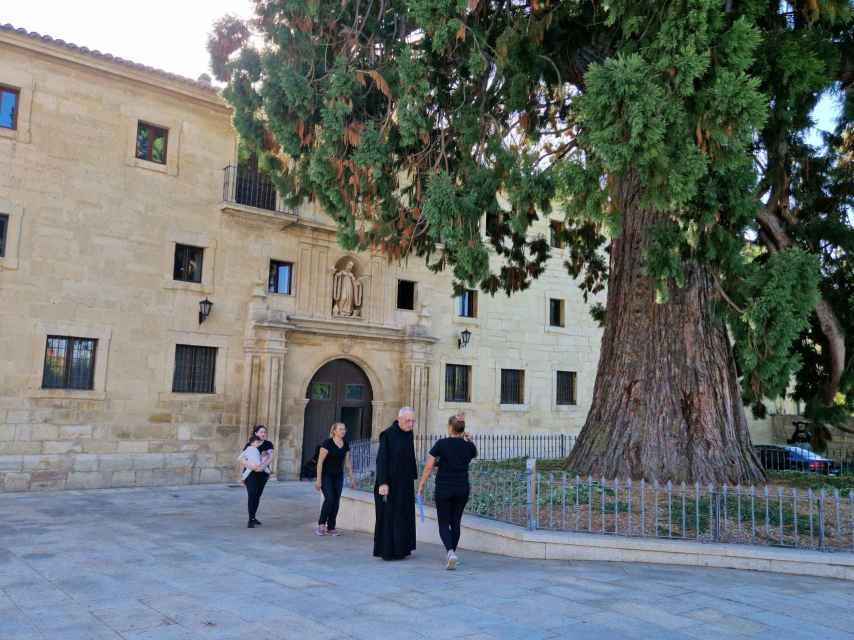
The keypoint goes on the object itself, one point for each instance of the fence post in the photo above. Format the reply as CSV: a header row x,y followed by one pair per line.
x,y
531,473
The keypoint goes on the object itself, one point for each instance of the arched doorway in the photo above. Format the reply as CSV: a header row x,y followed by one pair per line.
x,y
339,392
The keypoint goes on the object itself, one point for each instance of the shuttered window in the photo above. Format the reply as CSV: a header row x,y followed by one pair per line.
x,y
195,369
467,304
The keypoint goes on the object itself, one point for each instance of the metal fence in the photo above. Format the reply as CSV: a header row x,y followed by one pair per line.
x,y
249,187
490,446
809,518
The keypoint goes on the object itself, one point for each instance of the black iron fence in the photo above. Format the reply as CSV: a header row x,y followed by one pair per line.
x,y
249,187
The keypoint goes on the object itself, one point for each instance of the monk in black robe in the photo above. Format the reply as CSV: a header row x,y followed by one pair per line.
x,y
394,491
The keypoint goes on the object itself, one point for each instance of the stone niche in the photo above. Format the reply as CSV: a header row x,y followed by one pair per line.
x,y
349,289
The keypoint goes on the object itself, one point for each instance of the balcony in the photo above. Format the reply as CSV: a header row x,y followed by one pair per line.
x,y
250,194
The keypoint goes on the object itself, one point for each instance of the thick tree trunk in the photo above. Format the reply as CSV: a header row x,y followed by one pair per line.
x,y
666,403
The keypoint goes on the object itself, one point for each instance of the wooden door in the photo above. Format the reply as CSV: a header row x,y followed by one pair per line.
x,y
338,392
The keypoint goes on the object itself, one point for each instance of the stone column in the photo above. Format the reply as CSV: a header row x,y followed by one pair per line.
x,y
264,351
418,355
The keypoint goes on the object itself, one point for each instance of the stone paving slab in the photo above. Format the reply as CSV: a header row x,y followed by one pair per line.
x,y
180,564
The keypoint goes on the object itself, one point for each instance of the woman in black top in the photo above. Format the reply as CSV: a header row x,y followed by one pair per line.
x,y
257,480
333,457
454,454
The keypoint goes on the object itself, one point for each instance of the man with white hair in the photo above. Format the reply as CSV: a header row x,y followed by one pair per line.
x,y
394,492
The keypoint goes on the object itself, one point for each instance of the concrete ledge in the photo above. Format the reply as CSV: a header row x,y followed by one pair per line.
x,y
480,534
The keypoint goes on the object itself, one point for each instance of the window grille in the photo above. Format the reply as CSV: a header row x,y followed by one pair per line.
x,y
188,263
195,369
566,387
69,363
457,387
512,386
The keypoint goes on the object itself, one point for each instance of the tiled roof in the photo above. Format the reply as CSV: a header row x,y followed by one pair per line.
x,y
94,53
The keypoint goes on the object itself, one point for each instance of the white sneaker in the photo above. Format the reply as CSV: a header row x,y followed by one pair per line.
x,y
452,561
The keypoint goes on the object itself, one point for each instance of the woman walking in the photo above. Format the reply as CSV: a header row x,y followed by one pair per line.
x,y
453,454
258,475
333,457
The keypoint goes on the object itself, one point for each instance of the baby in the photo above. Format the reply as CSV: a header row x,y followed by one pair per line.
x,y
254,461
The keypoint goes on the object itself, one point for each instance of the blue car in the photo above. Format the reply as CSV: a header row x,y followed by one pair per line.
x,y
790,458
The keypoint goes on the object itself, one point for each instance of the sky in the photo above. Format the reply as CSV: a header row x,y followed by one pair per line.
x,y
171,34
165,34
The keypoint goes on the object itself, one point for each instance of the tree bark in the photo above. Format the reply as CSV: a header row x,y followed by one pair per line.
x,y
666,403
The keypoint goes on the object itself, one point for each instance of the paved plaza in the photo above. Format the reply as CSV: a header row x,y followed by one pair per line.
x,y
179,564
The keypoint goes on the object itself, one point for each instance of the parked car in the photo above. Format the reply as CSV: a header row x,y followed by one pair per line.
x,y
790,458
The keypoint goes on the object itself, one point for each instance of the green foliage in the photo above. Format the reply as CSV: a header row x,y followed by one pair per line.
x,y
410,120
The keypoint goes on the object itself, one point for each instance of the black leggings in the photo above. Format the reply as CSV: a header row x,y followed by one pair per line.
x,y
331,485
255,482
449,511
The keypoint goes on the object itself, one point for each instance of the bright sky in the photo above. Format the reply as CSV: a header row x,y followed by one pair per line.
x,y
165,34
171,34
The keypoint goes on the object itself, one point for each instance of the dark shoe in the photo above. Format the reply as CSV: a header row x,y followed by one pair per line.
x,y
251,524
256,521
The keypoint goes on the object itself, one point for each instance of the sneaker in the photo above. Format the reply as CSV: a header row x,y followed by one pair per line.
x,y
320,531
332,532
452,561
251,525
256,522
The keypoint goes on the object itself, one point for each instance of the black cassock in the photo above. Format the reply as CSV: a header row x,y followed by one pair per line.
x,y
394,534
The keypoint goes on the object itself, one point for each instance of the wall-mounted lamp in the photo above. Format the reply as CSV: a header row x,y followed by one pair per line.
x,y
463,340
204,310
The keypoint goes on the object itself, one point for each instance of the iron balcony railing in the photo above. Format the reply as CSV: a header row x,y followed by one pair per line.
x,y
249,187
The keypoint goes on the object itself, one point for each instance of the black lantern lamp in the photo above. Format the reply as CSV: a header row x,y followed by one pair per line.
x,y
463,340
204,309
802,435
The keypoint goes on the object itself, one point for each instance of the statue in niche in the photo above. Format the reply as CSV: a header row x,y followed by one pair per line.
x,y
346,293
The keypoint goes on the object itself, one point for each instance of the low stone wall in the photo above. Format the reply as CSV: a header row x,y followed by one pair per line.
x,y
489,536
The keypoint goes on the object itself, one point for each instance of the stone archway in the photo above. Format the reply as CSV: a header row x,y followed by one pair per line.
x,y
339,391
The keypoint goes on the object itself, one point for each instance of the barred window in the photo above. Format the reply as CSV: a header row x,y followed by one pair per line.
x,y
556,238
467,304
566,387
69,363
4,226
188,263
151,142
195,369
406,295
457,379
512,386
556,313
280,277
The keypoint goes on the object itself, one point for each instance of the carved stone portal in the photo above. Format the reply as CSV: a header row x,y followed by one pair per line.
x,y
346,292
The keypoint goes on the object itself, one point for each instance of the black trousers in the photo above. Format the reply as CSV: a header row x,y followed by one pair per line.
x,y
450,504
255,483
331,486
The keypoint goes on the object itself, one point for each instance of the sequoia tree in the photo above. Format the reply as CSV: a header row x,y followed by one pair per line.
x,y
665,133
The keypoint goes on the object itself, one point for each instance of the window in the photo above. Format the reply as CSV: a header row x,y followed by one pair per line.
x,y
467,304
493,220
406,295
457,377
320,391
69,363
354,392
556,239
566,387
151,142
194,369
556,312
280,277
512,386
4,226
188,263
9,107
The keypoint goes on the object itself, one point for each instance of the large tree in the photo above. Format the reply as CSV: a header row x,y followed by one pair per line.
x,y
670,135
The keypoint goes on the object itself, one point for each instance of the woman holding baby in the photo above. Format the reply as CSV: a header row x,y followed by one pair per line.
x,y
255,461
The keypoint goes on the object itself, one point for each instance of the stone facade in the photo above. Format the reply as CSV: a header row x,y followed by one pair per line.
x,y
90,253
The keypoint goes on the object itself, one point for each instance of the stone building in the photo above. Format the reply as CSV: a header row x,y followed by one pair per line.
x,y
122,215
